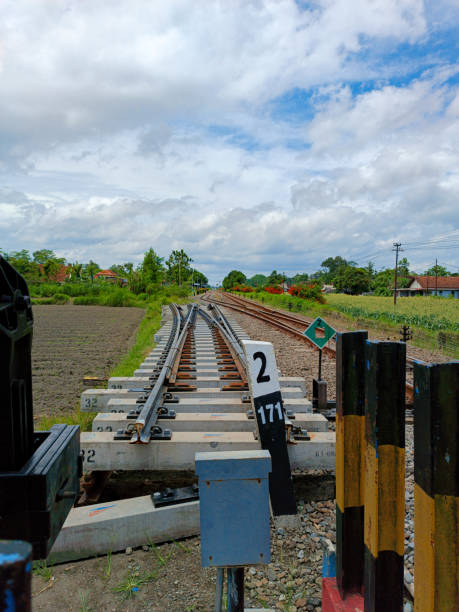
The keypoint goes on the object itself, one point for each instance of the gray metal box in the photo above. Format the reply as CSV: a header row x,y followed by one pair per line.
x,y
234,507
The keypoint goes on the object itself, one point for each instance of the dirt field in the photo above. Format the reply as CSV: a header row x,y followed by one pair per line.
x,y
71,342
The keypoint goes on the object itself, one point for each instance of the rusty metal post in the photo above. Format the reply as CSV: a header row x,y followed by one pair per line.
x,y
15,576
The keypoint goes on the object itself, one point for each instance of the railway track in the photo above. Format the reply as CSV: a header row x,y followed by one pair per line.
x,y
191,394
292,324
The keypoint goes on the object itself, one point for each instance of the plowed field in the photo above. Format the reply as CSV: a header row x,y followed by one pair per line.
x,y
71,342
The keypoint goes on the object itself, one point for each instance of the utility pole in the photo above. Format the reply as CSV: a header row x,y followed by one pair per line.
x,y
436,276
179,278
397,249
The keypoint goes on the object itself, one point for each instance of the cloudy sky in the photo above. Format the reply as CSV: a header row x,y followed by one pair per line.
x,y
254,135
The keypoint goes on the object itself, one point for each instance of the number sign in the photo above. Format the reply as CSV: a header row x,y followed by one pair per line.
x,y
262,367
269,410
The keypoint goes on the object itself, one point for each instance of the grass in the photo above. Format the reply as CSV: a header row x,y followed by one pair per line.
x,y
108,567
143,343
433,320
84,598
133,581
161,560
42,569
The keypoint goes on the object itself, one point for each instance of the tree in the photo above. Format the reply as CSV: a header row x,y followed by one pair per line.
x,y
299,278
152,268
333,265
352,280
258,280
383,282
275,278
235,277
178,267
50,268
76,271
199,277
437,270
44,255
22,262
91,269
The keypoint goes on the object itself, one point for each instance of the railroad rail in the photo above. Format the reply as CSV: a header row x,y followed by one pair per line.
x,y
191,394
291,324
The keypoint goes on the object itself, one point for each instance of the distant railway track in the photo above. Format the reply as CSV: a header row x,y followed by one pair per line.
x,y
292,324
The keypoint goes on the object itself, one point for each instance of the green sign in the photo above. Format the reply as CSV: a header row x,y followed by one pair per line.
x,y
319,332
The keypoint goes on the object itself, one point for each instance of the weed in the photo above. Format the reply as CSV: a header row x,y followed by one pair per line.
x,y
185,549
162,560
84,598
42,569
132,583
108,567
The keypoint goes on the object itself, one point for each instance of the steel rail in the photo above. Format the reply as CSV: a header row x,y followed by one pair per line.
x,y
149,413
232,343
269,316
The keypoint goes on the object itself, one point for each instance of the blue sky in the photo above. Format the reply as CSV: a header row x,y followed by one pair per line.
x,y
255,135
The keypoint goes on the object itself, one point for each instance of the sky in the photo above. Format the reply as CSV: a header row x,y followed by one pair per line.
x,y
255,135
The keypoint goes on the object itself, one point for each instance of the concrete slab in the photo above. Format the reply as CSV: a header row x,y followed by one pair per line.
x,y
101,452
206,421
113,526
96,400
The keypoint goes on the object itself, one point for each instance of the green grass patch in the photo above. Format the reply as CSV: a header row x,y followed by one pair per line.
x,y
74,417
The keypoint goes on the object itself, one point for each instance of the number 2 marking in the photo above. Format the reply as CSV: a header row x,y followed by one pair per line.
x,y
262,377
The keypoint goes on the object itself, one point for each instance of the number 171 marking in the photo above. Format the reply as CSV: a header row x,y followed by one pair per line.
x,y
270,408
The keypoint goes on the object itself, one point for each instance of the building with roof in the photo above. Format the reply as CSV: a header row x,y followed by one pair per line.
x,y
443,286
107,275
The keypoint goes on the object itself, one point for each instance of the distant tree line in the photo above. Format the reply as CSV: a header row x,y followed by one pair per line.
x,y
44,266
343,274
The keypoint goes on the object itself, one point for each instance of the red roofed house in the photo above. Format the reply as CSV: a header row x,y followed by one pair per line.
x,y
107,275
443,286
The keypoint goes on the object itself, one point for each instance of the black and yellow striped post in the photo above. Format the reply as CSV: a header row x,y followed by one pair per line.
x,y
384,490
436,488
350,428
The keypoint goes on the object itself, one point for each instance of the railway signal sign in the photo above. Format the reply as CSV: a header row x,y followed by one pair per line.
x,y
319,332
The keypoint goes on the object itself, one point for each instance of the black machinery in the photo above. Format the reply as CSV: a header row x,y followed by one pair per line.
x,y
39,471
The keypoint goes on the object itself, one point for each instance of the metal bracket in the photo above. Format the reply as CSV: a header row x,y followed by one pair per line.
x,y
166,413
171,497
157,433
300,433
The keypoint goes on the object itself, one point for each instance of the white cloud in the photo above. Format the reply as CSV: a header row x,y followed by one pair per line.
x,y
162,124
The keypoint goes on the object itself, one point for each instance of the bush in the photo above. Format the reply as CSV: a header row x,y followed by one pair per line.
x,y
85,300
307,292
274,290
60,298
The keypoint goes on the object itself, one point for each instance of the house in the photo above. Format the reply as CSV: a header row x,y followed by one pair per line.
x,y
107,275
443,286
